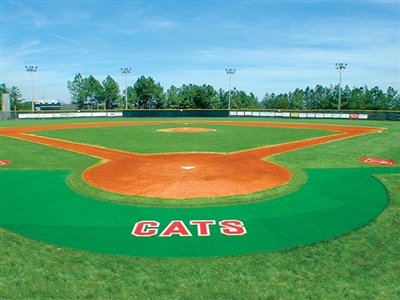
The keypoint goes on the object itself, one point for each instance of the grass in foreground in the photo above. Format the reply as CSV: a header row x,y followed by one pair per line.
x,y
359,265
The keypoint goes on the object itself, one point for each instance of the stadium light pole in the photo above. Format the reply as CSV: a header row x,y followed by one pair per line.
x,y
230,72
31,70
340,67
126,71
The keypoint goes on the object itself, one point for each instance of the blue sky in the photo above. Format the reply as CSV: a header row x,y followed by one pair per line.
x,y
275,46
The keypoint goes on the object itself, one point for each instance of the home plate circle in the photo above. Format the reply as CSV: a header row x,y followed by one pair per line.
x,y
187,167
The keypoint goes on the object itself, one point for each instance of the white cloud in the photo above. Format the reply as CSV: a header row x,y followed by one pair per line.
x,y
65,39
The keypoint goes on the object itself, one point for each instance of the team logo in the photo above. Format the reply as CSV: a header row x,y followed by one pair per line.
x,y
4,162
377,161
178,227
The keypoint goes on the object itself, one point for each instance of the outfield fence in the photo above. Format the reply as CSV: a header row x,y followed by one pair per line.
x,y
205,113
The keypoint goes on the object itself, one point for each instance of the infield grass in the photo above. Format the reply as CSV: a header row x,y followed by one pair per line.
x,y
147,139
362,264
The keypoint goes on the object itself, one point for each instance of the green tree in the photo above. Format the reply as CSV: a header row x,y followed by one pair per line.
x,y
296,99
204,96
379,100
310,101
15,98
223,99
148,93
187,95
132,98
368,101
356,98
346,98
216,102
327,98
197,96
240,100
85,92
93,92
393,98
283,101
172,98
76,89
111,93
269,101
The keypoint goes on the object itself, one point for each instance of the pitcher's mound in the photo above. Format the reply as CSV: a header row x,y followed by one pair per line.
x,y
186,129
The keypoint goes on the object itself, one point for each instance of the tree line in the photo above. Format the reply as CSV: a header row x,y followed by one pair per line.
x,y
357,98
146,93
89,93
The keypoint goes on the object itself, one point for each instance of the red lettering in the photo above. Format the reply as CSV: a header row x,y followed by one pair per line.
x,y
175,227
203,228
145,228
232,227
150,228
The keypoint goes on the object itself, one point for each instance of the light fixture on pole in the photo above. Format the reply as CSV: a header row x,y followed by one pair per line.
x,y
230,72
340,67
31,70
126,71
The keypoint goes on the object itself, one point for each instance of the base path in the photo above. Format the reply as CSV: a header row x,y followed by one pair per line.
x,y
186,175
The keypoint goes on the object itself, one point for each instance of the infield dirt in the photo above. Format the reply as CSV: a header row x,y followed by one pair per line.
x,y
163,175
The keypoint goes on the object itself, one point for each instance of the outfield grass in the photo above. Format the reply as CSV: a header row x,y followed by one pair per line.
x,y
362,264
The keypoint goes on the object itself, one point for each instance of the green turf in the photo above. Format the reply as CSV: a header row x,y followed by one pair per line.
x,y
38,204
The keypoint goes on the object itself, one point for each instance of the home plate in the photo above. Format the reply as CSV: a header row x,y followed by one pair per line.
x,y
187,167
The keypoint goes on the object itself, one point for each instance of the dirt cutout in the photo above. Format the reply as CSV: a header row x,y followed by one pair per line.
x,y
186,175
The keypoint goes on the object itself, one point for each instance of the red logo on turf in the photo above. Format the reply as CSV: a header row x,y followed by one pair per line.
x,y
4,162
377,161
150,228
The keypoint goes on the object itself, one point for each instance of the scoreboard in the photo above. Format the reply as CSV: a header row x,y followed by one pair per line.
x,y
47,104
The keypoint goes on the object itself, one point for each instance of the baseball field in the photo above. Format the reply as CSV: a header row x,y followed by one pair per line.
x,y
235,208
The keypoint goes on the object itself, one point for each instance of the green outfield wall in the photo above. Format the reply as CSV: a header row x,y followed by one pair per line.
x,y
207,113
